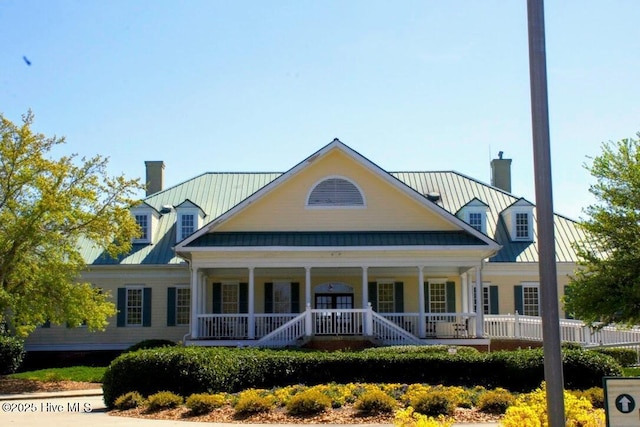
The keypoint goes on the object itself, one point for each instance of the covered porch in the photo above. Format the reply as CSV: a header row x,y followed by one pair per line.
x,y
278,306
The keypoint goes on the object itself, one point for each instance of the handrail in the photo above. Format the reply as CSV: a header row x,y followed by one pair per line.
x,y
390,333
285,334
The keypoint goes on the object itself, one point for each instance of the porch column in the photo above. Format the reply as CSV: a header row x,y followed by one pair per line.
x,y
251,323
195,302
307,286
422,321
368,318
202,285
464,285
479,305
469,291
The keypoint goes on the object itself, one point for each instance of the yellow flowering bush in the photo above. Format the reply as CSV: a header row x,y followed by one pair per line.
x,y
253,401
409,418
530,410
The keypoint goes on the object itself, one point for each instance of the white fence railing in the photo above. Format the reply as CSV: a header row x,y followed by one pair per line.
x,y
287,334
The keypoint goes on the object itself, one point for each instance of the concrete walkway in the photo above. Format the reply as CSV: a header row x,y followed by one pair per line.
x,y
86,408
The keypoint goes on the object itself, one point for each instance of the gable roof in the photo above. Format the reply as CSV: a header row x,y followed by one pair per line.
x,y
220,194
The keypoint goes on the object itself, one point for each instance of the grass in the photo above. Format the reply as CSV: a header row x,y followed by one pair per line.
x,y
631,372
75,373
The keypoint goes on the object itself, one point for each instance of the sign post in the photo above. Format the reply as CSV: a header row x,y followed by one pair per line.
x,y
622,401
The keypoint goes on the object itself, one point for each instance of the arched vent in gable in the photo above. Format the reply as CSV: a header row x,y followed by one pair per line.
x,y
335,192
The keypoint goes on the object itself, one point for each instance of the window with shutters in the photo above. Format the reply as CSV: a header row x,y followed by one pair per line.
x,y
230,298
282,297
486,299
134,307
437,297
336,192
183,305
530,300
386,301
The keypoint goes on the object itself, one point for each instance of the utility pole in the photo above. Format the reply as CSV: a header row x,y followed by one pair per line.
x,y
544,206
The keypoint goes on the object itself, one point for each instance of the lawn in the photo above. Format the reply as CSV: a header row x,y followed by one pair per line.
x,y
76,373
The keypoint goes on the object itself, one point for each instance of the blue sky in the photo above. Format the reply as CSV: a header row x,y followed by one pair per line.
x,y
260,85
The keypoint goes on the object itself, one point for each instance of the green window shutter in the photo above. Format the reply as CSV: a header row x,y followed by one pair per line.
x,y
146,307
295,297
171,306
399,297
517,297
216,306
122,307
373,295
493,300
451,297
268,297
243,294
427,304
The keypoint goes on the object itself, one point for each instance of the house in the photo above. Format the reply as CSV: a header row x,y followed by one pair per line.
x,y
334,247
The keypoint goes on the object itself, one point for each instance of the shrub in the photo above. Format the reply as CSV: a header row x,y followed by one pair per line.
x,y
375,401
311,401
203,403
495,401
434,402
624,356
148,344
130,400
252,401
163,400
11,354
409,418
595,395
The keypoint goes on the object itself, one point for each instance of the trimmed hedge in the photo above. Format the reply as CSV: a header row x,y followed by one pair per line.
x,y
11,354
187,370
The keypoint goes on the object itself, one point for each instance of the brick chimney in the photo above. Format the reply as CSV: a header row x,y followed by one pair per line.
x,y
155,176
501,173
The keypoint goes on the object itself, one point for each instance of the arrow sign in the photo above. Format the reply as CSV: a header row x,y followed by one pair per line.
x,y
625,403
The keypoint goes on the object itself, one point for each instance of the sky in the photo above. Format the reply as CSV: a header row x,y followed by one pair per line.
x,y
260,85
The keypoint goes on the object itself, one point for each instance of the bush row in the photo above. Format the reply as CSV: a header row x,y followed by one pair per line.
x,y
196,370
11,354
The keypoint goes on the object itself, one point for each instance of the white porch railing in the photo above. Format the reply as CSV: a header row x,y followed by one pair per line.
x,y
287,334
390,333
338,322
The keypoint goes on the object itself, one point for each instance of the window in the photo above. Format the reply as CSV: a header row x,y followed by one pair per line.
x,y
143,223
335,192
187,225
530,300
486,300
386,302
437,297
183,306
230,298
475,220
522,225
282,297
134,307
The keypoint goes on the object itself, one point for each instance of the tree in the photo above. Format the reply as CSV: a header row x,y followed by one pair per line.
x,y
47,207
607,286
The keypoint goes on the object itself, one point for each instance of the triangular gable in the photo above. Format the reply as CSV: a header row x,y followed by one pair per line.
x,y
337,146
188,204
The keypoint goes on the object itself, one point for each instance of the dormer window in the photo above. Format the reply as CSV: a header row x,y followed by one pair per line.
x,y
474,213
146,217
518,219
337,192
189,219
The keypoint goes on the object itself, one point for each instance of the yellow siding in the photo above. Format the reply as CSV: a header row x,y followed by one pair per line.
x,y
387,208
506,284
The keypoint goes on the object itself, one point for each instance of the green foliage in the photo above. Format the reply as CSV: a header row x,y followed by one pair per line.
x,y
624,356
253,401
87,374
187,370
311,401
203,403
163,400
434,402
607,288
47,207
153,343
130,400
11,354
495,401
430,349
376,401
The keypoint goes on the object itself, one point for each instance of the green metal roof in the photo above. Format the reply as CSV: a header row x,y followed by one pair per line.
x,y
337,238
217,192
